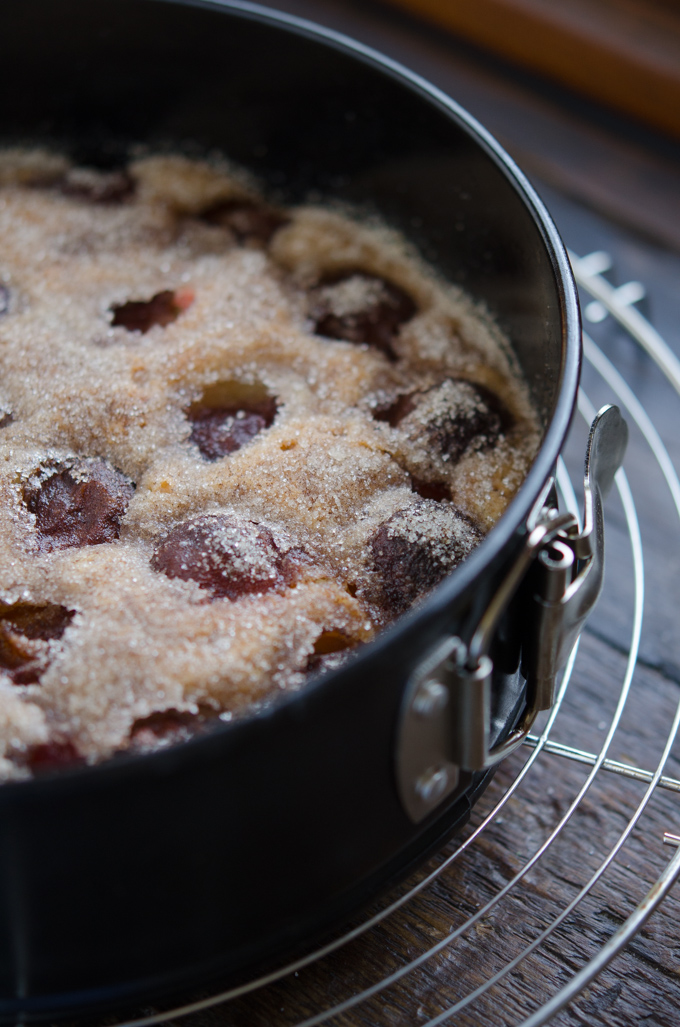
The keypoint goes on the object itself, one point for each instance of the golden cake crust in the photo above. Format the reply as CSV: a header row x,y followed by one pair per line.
x,y
331,460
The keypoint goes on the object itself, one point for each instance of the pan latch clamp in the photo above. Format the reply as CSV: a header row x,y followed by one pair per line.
x,y
556,579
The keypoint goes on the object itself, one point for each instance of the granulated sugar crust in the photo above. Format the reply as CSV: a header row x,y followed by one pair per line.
x,y
356,459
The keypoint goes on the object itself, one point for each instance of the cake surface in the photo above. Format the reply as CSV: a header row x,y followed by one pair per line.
x,y
235,442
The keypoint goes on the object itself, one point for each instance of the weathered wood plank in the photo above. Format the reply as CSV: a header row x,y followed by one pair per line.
x,y
625,53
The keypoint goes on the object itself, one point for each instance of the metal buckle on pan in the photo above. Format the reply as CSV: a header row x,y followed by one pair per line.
x,y
445,719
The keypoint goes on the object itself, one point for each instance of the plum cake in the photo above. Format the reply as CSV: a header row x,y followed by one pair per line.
x,y
236,441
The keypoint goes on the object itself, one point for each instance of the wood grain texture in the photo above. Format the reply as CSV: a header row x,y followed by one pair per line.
x,y
625,53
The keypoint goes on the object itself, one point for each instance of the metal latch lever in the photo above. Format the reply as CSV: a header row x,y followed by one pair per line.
x,y
445,717
569,571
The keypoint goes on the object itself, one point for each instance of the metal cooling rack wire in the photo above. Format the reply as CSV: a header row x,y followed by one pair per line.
x,y
618,303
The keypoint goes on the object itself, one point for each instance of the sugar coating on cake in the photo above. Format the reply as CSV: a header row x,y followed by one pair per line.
x,y
235,442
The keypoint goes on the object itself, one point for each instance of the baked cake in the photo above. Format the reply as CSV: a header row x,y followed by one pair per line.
x,y
236,441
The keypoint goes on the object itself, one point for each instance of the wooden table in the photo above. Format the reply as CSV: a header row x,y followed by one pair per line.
x,y
610,186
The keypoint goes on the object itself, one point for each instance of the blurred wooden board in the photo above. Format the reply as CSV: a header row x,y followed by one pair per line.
x,y
630,175
624,53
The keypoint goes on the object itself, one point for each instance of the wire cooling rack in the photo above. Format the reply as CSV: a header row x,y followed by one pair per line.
x,y
462,958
